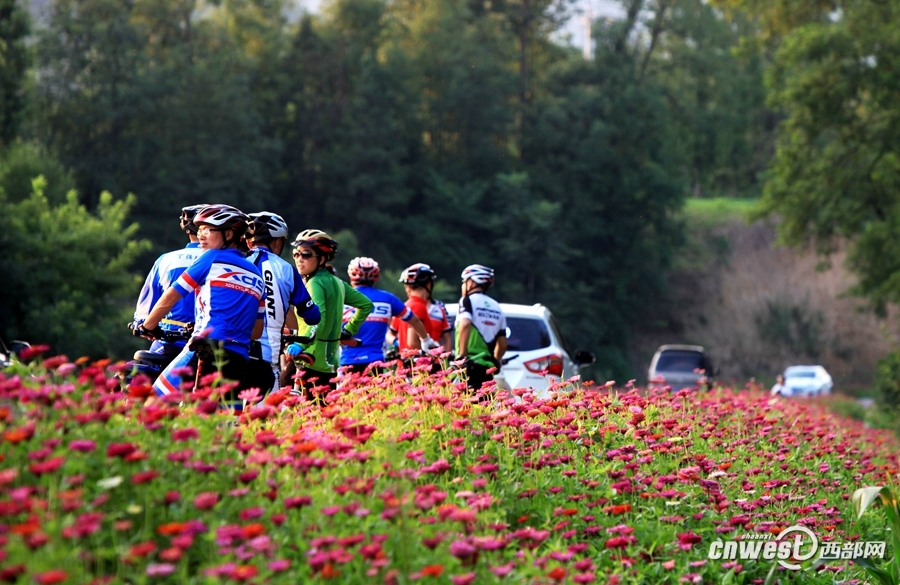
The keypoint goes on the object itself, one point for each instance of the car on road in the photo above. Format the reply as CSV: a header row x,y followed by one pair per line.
x,y
806,381
679,367
536,354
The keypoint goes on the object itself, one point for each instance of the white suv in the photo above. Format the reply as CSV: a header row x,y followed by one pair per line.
x,y
535,345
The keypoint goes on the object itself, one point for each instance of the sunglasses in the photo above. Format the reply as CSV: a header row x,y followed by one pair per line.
x,y
305,254
205,229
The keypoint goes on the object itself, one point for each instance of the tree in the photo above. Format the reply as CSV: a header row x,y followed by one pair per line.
x,y
148,97
14,62
836,173
67,272
600,150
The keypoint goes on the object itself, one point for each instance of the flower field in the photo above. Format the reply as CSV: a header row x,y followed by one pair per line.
x,y
401,480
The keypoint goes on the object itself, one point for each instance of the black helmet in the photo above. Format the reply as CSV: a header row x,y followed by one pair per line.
x,y
418,275
187,218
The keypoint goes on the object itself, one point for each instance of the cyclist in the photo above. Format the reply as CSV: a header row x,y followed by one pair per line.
x,y
230,305
165,271
418,281
480,327
364,273
266,236
313,251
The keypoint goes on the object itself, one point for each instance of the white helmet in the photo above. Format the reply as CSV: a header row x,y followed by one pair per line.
x,y
479,274
266,225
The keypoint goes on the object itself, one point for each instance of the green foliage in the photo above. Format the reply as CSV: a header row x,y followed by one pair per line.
x,y
835,174
14,61
67,270
791,326
887,383
22,162
888,574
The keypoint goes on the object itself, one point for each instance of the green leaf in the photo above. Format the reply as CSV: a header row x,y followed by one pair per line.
x,y
883,576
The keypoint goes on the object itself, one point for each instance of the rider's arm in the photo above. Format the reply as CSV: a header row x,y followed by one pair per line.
x,y
463,329
500,347
303,303
162,307
354,298
188,282
447,340
258,328
416,325
151,292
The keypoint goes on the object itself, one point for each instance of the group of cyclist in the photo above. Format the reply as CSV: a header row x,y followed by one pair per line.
x,y
243,301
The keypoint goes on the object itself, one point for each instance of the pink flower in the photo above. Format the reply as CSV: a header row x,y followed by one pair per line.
x,y
160,569
82,445
464,579
206,500
279,565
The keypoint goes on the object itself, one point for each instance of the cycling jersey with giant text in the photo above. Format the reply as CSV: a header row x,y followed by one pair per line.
x,y
284,287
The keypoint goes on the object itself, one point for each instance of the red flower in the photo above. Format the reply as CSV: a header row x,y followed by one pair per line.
x,y
48,466
686,540
557,574
185,434
53,576
120,449
141,550
144,477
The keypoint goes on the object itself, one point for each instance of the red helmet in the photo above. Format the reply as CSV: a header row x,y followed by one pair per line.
x,y
363,270
223,217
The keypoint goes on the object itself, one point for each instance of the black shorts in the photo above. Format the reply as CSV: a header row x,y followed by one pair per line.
x,y
234,367
477,375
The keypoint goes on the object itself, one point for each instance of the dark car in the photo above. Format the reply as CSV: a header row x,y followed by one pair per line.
x,y
680,366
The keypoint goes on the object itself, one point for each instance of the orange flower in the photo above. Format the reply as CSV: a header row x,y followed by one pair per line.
x,y
329,572
432,570
252,530
305,447
725,466
171,528
522,519
16,435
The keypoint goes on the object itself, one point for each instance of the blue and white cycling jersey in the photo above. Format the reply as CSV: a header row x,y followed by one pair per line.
x,y
284,287
373,331
230,297
166,271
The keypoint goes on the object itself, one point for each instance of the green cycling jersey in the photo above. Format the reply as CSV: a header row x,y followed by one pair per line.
x,y
331,293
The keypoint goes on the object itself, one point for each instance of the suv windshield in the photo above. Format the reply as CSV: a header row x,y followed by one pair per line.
x,y
801,375
679,361
525,334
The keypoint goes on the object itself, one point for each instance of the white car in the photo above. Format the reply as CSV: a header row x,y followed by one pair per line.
x,y
535,345
806,381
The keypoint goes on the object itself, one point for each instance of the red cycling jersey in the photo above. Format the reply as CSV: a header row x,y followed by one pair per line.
x,y
434,326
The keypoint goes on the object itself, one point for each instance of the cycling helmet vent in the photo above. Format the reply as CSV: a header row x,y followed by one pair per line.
x,y
363,269
319,241
418,274
187,218
479,274
266,226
